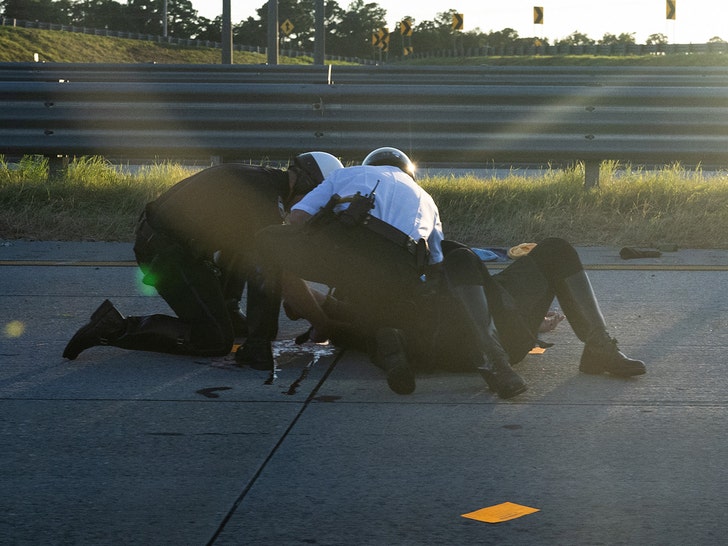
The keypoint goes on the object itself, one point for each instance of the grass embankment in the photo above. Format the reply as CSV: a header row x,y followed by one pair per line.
x,y
94,201
21,44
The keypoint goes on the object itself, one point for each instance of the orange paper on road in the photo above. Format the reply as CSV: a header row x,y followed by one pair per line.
x,y
500,512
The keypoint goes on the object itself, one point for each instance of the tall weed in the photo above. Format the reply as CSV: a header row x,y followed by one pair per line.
x,y
96,200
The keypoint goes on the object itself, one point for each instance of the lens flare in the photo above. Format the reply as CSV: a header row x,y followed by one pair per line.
x,y
144,282
14,329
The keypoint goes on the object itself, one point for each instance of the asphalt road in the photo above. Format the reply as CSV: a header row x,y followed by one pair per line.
x,y
122,447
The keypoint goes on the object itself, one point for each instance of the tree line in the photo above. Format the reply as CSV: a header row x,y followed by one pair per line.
x,y
349,31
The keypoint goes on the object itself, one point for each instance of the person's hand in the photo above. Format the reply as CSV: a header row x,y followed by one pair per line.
x,y
551,321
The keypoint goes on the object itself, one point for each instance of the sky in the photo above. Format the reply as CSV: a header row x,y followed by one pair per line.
x,y
697,21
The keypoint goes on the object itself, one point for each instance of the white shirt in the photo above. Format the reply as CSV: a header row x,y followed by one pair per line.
x,y
399,201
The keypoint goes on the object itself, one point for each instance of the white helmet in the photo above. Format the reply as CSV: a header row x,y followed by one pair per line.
x,y
392,157
317,165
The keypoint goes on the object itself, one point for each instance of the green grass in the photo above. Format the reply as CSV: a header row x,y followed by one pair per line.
x,y
94,201
20,44
630,207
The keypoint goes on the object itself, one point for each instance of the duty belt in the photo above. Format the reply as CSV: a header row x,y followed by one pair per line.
x,y
152,236
161,239
160,243
418,249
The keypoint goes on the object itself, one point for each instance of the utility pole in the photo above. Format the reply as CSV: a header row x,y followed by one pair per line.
x,y
227,33
319,51
272,31
164,21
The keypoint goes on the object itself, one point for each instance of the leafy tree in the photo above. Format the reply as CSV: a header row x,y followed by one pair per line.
x,y
251,31
348,31
47,11
626,38
145,16
437,34
352,35
656,39
301,14
182,21
99,14
502,38
210,29
576,39
716,40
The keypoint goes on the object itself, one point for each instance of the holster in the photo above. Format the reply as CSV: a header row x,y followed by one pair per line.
x,y
154,249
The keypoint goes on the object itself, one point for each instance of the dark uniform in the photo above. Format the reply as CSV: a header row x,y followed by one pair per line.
x,y
194,244
496,318
370,232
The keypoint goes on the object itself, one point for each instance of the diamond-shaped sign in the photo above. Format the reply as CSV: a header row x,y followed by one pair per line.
x,y
287,27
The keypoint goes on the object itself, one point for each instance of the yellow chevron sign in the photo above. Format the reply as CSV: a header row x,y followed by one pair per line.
x,y
380,39
537,15
670,9
405,27
457,21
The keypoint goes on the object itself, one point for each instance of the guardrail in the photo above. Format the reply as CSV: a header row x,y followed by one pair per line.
x,y
655,76
452,116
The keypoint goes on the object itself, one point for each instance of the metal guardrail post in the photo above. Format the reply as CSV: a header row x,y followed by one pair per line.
x,y
591,173
57,166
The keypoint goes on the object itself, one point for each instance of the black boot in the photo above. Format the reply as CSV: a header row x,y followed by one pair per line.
x,y
496,369
256,353
156,333
263,308
601,353
465,276
498,374
164,334
391,356
105,326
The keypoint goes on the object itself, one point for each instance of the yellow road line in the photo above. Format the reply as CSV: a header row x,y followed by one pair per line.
x,y
639,267
73,263
658,267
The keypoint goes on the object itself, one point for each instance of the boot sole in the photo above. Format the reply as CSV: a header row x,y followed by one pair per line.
x,y
391,357
492,383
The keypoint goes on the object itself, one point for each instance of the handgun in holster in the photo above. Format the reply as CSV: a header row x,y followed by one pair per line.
x,y
422,255
326,213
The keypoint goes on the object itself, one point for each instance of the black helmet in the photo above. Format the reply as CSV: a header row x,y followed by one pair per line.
x,y
317,165
390,156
